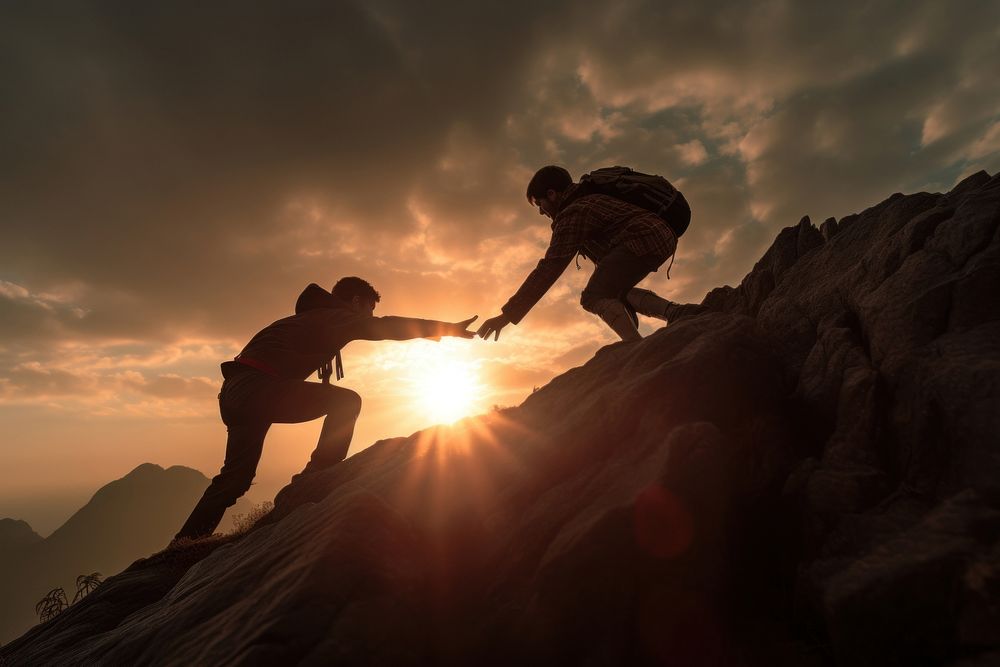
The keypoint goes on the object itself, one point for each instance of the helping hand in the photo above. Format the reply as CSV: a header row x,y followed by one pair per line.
x,y
461,328
493,326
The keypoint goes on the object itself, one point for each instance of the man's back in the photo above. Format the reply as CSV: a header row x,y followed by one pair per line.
x,y
606,222
297,345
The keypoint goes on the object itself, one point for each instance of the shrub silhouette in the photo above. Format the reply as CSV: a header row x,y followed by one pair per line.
x,y
53,604
86,583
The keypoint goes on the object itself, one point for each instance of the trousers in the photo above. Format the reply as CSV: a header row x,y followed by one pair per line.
x,y
249,402
611,293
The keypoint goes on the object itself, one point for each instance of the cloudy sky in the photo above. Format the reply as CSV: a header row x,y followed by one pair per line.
x,y
174,173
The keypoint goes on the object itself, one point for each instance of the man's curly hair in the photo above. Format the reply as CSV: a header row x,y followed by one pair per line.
x,y
548,178
352,286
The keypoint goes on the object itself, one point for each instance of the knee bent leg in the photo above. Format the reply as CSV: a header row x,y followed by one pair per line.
x,y
590,301
346,401
355,402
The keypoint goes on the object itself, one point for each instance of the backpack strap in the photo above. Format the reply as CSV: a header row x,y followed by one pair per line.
x,y
327,369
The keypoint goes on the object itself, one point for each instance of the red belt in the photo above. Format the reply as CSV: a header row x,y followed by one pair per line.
x,y
253,363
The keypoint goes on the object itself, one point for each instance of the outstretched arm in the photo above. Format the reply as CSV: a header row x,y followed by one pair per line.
x,y
493,326
567,238
407,328
532,289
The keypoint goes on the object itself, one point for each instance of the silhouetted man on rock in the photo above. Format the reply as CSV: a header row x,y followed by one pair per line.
x,y
626,241
266,384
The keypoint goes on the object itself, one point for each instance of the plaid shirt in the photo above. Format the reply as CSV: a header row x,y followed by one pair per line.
x,y
591,225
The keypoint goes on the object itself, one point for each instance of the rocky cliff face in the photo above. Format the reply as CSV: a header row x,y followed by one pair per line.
x,y
800,470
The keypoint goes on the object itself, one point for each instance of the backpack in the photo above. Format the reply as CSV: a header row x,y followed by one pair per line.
x,y
314,296
653,193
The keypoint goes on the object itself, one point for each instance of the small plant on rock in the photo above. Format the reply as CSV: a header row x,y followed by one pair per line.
x,y
86,583
53,604
242,523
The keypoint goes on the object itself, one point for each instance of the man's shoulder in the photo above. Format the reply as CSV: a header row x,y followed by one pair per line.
x,y
326,316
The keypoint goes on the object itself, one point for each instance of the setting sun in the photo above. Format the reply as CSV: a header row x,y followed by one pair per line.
x,y
448,391
442,382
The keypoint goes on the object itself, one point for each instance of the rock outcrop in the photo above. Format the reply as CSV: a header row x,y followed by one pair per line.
x,y
803,469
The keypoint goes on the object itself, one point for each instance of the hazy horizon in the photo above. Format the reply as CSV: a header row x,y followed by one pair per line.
x,y
175,174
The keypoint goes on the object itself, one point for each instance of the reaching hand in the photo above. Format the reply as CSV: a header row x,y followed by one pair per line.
x,y
493,326
461,328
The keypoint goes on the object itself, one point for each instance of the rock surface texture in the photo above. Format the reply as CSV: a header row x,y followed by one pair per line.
x,y
803,469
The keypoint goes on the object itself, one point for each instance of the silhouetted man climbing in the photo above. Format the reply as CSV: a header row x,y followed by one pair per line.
x,y
266,384
626,222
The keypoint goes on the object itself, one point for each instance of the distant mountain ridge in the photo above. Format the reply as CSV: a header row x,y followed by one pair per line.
x,y
124,520
125,503
16,534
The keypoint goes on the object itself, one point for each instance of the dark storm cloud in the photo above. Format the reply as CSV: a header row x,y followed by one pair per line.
x,y
819,154
189,167
32,318
149,145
